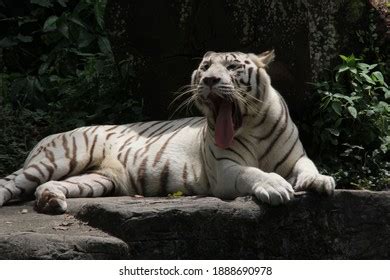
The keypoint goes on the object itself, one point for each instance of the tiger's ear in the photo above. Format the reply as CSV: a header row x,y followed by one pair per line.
x,y
263,59
207,54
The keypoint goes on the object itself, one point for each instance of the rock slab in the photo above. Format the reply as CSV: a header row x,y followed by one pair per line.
x,y
350,225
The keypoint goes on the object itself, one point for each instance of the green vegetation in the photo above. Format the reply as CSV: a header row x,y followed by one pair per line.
x,y
57,72
352,129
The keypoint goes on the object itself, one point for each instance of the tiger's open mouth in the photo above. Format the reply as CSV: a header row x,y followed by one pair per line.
x,y
228,119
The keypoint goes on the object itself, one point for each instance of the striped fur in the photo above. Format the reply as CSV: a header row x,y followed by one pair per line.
x,y
264,158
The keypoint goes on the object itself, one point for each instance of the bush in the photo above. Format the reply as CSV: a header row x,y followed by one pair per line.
x,y
353,125
57,72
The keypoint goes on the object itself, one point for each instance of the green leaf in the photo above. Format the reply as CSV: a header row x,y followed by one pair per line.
x,y
62,2
77,21
50,24
352,111
24,39
85,39
336,106
378,77
343,68
334,132
344,58
363,66
63,27
42,3
338,122
99,13
372,66
7,42
368,78
104,45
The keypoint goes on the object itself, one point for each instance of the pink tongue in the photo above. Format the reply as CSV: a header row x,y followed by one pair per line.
x,y
224,130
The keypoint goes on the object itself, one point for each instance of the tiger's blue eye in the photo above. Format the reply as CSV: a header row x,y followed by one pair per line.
x,y
232,67
204,67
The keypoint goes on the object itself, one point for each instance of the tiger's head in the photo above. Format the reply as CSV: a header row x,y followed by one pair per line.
x,y
227,90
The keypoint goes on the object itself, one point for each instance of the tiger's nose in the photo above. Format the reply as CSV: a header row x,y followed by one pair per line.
x,y
210,81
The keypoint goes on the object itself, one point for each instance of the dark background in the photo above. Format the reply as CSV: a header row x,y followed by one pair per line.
x,y
71,63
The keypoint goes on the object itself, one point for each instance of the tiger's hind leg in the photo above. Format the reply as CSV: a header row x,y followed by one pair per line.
x,y
51,196
7,187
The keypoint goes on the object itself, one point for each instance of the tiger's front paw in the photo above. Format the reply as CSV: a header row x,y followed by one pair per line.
x,y
51,202
315,182
273,190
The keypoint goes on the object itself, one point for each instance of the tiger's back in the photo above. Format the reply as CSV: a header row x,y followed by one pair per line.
x,y
144,158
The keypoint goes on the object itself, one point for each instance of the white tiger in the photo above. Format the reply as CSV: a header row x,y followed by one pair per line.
x,y
245,145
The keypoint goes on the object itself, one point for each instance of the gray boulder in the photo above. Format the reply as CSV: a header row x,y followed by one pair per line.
x,y
350,225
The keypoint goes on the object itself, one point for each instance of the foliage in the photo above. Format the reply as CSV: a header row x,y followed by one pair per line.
x,y
353,125
57,72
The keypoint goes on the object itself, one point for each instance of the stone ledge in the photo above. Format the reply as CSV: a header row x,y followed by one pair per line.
x,y
26,234
350,225
31,245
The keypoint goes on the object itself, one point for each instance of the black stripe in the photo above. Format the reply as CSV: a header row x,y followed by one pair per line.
x,y
258,95
291,133
141,176
246,148
280,132
32,178
89,128
221,158
125,143
10,192
73,161
112,128
158,130
236,153
91,191
22,191
105,190
93,131
273,127
164,179
197,121
265,115
109,135
66,192
65,146
248,83
146,129
287,154
92,151
126,157
162,149
49,169
86,140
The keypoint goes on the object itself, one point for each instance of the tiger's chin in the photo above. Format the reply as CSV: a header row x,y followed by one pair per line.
x,y
227,118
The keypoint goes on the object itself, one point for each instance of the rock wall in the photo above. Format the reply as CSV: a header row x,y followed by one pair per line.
x,y
350,225
166,39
